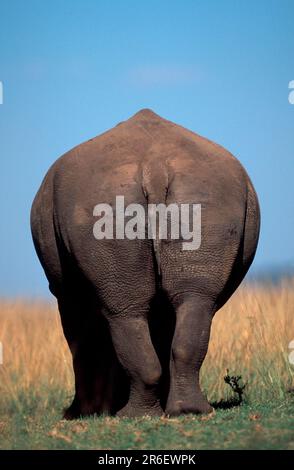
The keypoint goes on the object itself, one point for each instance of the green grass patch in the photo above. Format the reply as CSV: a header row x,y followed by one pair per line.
x,y
31,421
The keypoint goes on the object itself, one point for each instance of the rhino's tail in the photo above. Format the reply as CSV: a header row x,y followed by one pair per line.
x,y
155,234
155,187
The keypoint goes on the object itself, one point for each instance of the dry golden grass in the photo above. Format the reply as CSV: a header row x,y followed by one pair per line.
x,y
34,349
250,337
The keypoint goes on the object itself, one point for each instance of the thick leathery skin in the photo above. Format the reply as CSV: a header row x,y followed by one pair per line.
x,y
145,306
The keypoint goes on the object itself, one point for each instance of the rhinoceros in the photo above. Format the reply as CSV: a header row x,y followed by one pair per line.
x,y
136,313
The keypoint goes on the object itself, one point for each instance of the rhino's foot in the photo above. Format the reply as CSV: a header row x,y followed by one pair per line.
x,y
72,412
77,410
130,411
178,407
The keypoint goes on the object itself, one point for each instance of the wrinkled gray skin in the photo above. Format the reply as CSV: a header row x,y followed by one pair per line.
x,y
138,339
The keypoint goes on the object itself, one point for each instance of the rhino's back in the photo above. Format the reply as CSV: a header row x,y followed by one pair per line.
x,y
148,159
147,153
145,159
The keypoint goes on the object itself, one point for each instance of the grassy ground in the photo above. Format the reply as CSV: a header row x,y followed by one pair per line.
x,y
268,425
250,337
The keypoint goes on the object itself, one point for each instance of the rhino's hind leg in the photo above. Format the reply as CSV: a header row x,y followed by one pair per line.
x,y
189,348
98,374
135,351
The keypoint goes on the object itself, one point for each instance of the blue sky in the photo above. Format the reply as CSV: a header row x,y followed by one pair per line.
x,y
73,68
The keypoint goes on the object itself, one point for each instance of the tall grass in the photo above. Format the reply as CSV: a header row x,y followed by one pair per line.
x,y
249,337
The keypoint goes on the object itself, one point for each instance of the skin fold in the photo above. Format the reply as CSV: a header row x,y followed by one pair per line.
x,y
137,313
